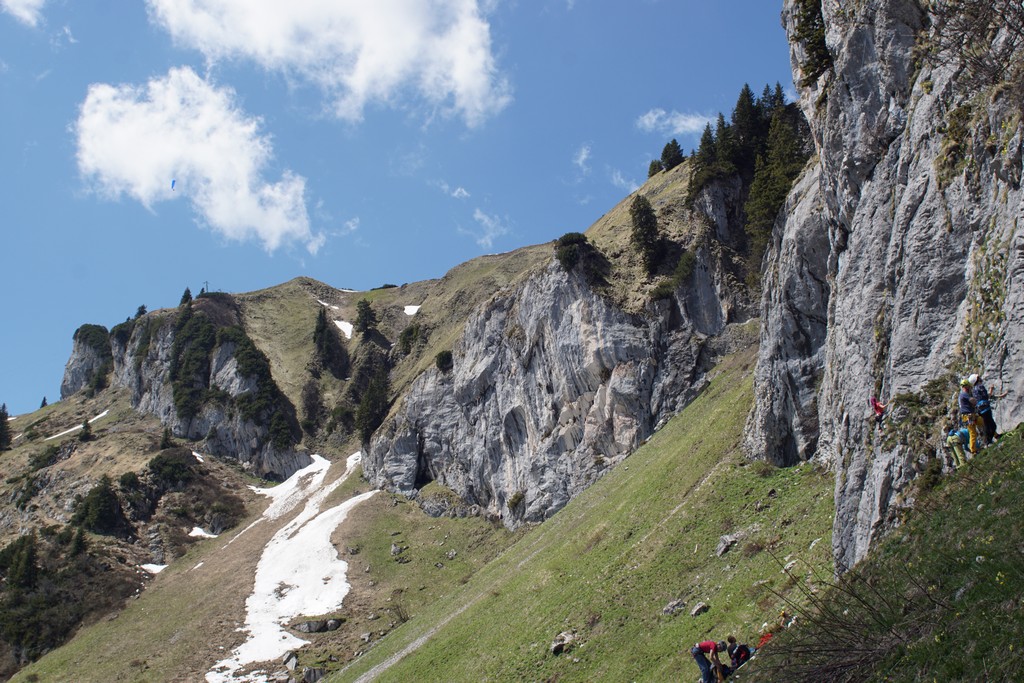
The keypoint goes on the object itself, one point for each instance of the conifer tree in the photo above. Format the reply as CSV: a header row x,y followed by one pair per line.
x,y
645,231
810,32
671,155
373,407
186,297
782,162
366,319
702,163
746,130
140,311
726,148
43,404
5,429
654,168
24,569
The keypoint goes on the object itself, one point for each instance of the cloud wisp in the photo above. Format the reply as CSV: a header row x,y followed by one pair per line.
x,y
135,141
357,53
671,123
26,11
581,158
491,228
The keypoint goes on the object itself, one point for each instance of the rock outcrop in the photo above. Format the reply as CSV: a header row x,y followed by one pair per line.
x,y
551,385
89,354
142,358
899,262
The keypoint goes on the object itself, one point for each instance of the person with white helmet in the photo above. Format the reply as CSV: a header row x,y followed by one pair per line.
x,y
983,405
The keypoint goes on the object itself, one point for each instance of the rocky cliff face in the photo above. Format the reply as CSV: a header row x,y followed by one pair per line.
x,y
142,362
551,385
899,262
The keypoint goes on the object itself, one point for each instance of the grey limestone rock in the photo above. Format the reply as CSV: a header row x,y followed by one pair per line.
x,y
551,385
893,268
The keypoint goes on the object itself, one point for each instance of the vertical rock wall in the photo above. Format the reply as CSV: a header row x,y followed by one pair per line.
x,y
914,256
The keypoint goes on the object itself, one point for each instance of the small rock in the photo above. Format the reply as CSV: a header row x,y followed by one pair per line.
x,y
397,549
290,660
366,637
452,554
312,675
562,642
674,607
439,565
699,608
789,566
725,543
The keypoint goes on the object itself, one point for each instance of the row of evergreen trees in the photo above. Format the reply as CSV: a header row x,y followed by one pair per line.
x,y
764,144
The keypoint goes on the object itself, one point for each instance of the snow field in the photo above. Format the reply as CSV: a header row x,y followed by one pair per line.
x,y
299,572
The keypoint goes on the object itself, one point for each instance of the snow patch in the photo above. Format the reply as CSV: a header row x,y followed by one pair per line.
x,y
412,310
75,429
198,457
299,572
345,327
201,533
153,568
326,305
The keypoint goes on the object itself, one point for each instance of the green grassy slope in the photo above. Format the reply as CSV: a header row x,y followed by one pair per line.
x,y
939,600
606,565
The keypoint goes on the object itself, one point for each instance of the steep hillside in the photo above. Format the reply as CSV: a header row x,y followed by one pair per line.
x,y
939,599
88,515
686,518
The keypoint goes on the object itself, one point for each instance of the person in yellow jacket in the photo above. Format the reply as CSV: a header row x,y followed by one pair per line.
x,y
968,413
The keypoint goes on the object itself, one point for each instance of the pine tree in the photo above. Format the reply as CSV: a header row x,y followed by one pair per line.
x,y
43,404
186,297
702,164
781,164
366,319
373,407
328,350
810,31
654,168
726,149
140,311
671,155
645,231
24,568
5,429
745,127
86,433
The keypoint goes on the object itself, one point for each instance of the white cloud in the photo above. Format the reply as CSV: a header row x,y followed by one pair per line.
x,y
357,52
491,228
62,37
351,225
135,140
458,193
620,181
26,11
581,158
674,123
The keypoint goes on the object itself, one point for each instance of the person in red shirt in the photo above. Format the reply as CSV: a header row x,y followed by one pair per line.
x,y
711,647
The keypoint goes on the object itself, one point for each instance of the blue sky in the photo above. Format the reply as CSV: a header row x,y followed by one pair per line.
x,y
358,143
